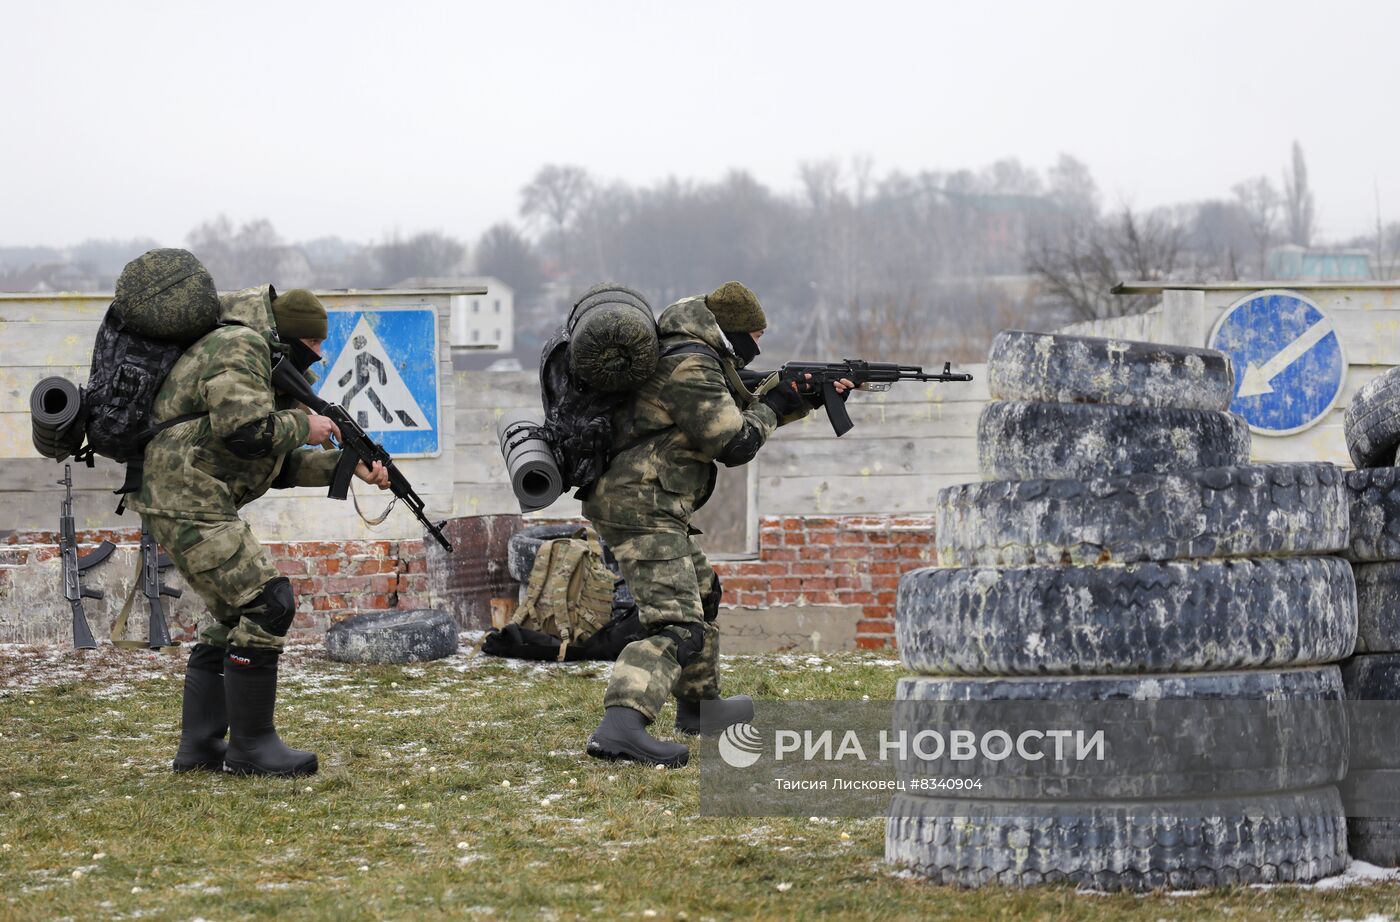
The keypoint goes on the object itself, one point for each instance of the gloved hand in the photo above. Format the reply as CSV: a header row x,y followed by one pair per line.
x,y
790,395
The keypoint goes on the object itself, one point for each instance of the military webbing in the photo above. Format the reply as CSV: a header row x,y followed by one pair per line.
x,y
569,593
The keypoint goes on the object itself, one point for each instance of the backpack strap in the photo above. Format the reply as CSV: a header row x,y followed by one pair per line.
x,y
136,468
731,374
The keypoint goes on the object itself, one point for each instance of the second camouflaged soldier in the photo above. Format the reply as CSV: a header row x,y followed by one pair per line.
x,y
242,438
692,412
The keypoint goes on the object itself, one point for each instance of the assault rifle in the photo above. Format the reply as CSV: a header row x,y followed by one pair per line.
x,y
356,446
152,587
868,376
73,565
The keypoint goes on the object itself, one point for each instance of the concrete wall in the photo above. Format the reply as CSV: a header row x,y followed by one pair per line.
x,y
1366,318
45,334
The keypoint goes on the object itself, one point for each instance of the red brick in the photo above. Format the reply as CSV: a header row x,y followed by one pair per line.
x,y
819,596
780,583
855,597
326,566
362,566
811,569
872,643
769,569
383,583
880,626
289,566
418,565
818,582
792,524
741,583
850,536
795,539
878,537
850,552
821,537
779,553
814,521
885,599
378,602
886,567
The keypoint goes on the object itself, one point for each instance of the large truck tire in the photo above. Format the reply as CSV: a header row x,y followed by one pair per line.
x,y
1053,441
1185,616
1377,607
383,637
1053,368
1371,423
1162,736
1252,510
1374,514
1286,837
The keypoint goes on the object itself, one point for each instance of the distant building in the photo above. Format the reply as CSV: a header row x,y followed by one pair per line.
x,y
1295,263
479,322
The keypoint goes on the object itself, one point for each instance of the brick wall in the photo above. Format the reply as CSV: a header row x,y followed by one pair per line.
x,y
845,560
332,580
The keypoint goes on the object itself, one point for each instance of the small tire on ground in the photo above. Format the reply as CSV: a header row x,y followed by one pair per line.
x,y
1185,616
383,637
1162,736
1295,836
1031,441
1245,511
1054,368
1374,513
1371,423
1377,607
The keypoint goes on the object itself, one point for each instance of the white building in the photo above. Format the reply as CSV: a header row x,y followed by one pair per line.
x,y
482,321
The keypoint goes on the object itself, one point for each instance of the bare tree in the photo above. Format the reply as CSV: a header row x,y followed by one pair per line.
x,y
504,252
420,256
1298,200
553,198
1261,210
1078,266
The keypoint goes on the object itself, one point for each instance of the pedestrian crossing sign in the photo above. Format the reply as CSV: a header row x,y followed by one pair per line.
x,y
381,365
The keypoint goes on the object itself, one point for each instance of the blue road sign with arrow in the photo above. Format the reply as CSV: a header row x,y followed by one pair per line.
x,y
381,365
1289,366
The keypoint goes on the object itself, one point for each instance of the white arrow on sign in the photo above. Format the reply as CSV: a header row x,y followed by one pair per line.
x,y
1257,377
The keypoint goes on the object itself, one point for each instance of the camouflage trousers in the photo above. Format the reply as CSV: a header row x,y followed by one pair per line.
x,y
225,564
669,576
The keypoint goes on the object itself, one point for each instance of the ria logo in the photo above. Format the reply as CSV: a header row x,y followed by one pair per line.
x,y
740,745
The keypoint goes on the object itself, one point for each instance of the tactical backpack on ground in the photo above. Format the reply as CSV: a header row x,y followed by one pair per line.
x,y
165,301
571,610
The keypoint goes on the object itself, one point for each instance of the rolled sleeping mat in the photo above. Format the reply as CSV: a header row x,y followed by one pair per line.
x,y
612,338
56,411
534,474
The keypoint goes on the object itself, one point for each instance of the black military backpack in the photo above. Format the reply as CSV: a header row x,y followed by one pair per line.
x,y
165,301
589,369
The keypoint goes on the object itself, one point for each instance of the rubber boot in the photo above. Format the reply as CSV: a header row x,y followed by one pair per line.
x,y
623,735
720,713
254,748
204,721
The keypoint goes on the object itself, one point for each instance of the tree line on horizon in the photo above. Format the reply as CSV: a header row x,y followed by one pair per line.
x,y
900,266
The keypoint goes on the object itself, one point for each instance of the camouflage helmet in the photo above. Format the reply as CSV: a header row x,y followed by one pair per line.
x,y
167,294
736,308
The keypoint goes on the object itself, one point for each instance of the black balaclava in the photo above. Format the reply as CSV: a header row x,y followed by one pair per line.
x,y
744,346
303,356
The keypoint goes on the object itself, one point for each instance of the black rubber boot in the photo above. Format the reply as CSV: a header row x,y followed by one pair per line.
x,y
623,735
720,714
254,748
204,722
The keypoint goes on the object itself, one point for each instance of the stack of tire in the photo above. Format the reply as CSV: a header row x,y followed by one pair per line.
x,y
1123,548
1372,677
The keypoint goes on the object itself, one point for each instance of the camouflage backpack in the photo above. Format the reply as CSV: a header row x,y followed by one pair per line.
x,y
165,301
569,593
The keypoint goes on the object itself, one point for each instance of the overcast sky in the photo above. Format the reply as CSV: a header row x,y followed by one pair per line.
x,y
144,118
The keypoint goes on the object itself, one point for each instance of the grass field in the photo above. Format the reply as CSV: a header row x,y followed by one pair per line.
x,y
458,789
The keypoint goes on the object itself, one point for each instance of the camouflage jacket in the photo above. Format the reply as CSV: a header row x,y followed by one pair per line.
x,y
670,433
190,472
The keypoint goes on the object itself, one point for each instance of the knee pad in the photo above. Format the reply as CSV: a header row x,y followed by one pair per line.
x,y
709,602
274,608
689,638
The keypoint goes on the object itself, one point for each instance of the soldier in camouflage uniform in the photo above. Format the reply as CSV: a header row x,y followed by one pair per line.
x,y
692,412
240,439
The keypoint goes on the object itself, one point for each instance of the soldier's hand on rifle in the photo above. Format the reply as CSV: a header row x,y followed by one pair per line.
x,y
378,475
322,428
